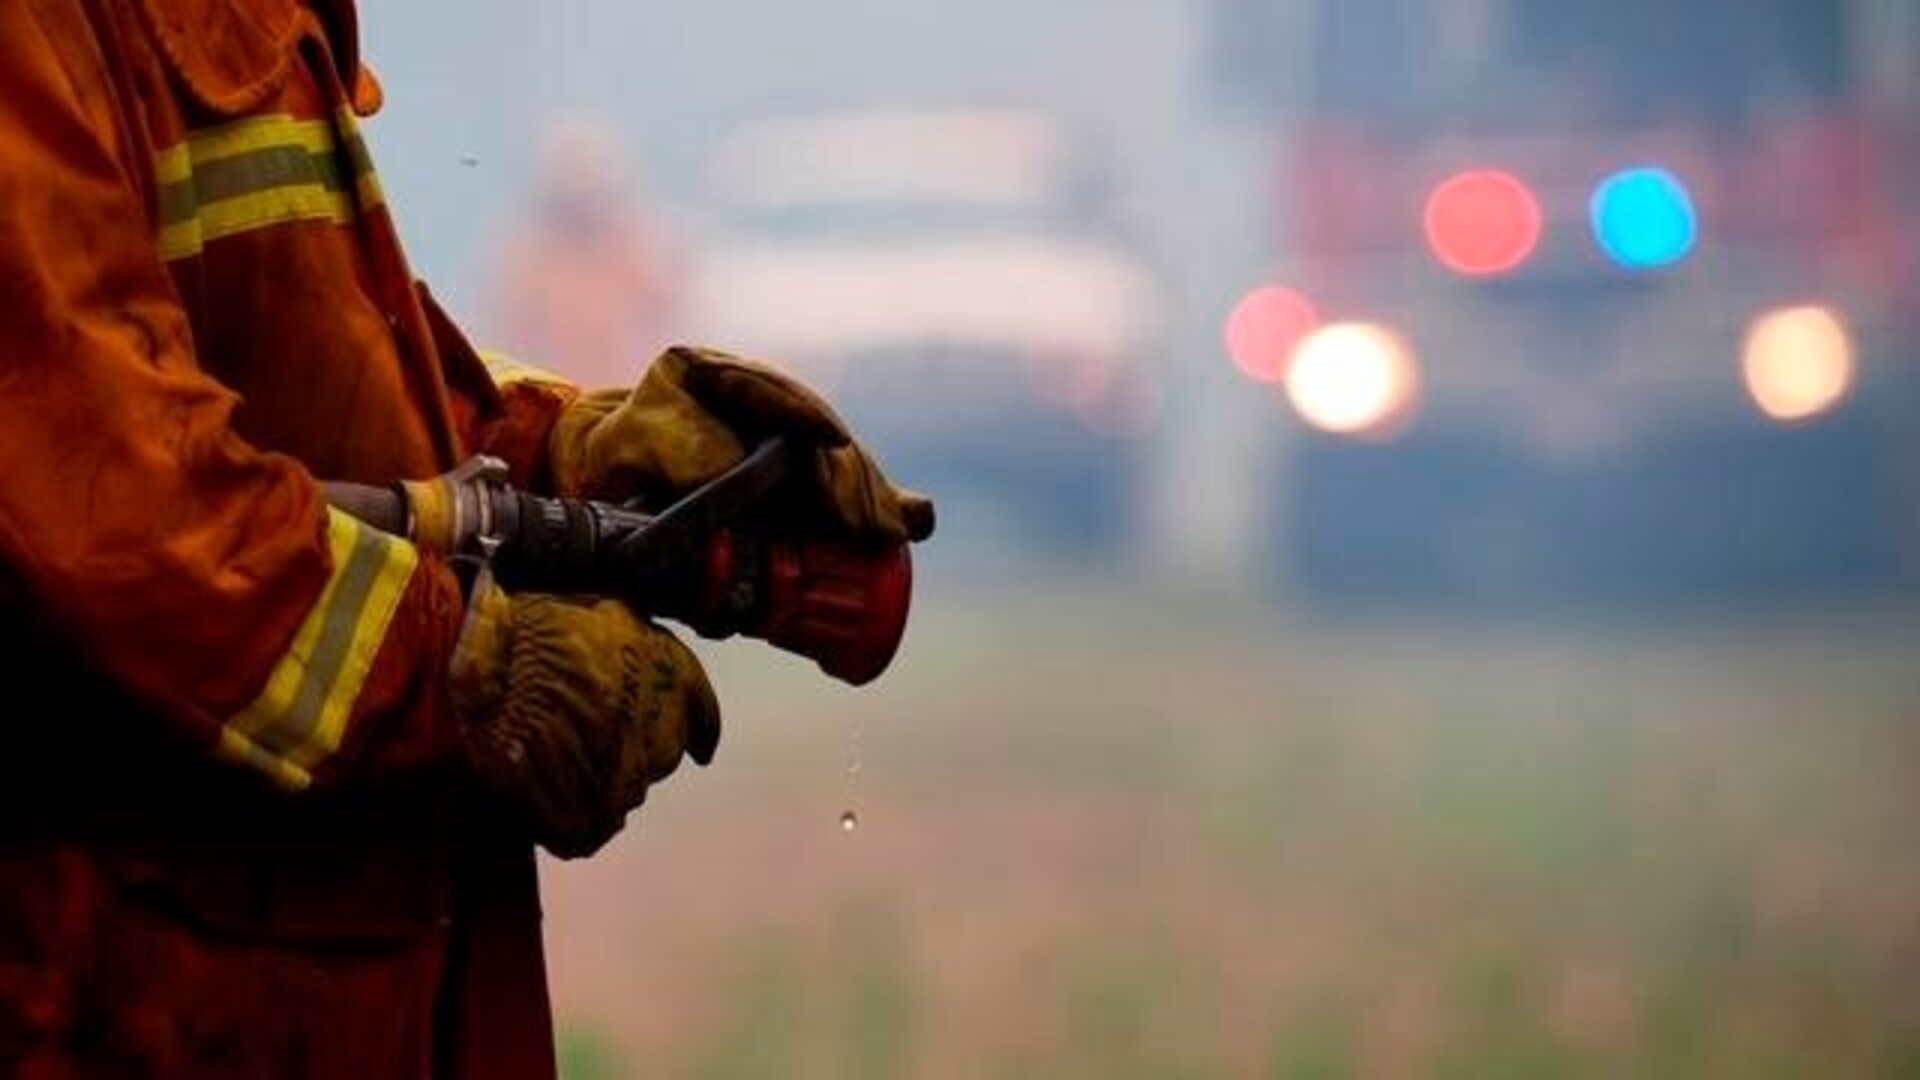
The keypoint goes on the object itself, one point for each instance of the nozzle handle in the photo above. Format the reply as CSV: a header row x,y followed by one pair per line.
x,y
680,533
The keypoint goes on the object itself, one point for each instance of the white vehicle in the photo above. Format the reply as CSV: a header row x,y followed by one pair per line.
x,y
947,278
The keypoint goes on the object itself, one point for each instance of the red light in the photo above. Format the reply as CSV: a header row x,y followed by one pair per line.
x,y
1263,329
1483,222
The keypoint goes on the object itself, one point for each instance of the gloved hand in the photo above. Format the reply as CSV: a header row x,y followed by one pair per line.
x,y
694,415
572,710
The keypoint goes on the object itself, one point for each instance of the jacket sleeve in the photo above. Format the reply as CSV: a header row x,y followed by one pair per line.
x,y
203,576
531,403
505,409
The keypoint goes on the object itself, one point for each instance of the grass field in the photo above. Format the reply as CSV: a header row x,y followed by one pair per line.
x,y
1121,833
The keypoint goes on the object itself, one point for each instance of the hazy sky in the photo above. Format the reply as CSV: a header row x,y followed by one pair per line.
x,y
672,75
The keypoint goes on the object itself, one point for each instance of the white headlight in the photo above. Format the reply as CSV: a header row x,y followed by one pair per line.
x,y
1354,379
1798,362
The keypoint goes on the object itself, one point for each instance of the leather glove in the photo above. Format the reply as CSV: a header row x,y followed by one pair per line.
x,y
571,710
695,414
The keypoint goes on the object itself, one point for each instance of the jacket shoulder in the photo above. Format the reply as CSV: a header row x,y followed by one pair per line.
x,y
232,56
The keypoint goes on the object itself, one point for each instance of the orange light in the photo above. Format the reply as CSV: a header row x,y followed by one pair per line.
x,y
1483,222
1355,379
1798,363
1264,328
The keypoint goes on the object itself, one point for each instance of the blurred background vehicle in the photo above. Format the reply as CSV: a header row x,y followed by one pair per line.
x,y
1641,277
954,279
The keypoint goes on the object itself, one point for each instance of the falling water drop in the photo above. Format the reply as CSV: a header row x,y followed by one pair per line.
x,y
850,820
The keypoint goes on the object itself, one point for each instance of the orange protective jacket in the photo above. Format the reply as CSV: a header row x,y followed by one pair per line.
x,y
233,839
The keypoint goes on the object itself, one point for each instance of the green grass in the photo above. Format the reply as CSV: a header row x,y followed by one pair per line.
x,y
1112,835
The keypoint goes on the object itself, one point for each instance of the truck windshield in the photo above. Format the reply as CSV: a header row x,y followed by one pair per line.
x,y
1624,62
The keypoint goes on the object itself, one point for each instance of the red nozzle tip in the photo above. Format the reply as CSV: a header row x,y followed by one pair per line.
x,y
844,607
890,596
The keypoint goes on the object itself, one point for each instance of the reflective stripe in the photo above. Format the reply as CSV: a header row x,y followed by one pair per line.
x,y
300,719
505,369
258,172
173,165
255,133
366,182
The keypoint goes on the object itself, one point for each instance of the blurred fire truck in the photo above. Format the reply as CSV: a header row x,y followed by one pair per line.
x,y
1592,303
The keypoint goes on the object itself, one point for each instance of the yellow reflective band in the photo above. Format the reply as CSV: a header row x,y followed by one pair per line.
x,y
300,718
248,212
259,172
173,165
366,182
259,133
505,370
272,206
180,241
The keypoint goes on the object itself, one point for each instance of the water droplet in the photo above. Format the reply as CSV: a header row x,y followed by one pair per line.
x,y
469,160
849,821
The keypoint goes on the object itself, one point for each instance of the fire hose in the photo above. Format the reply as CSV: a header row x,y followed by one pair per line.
x,y
715,560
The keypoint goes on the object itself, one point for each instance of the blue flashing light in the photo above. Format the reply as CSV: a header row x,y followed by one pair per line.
x,y
1644,218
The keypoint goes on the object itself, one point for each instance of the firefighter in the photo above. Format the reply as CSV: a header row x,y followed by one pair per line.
x,y
584,280
273,781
